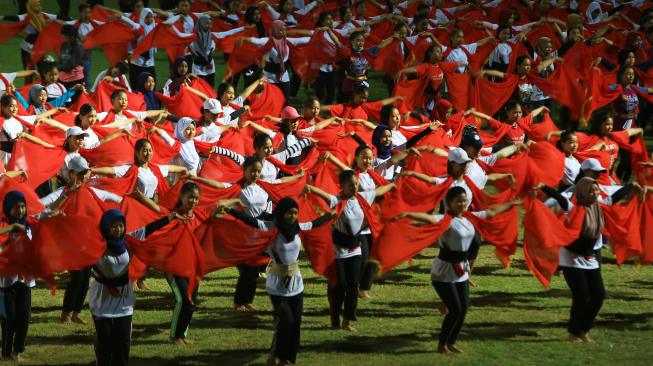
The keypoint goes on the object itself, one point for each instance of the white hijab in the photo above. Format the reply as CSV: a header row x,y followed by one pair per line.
x,y
187,152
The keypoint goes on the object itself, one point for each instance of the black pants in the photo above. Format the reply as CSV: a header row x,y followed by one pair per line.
x,y
456,296
26,59
210,79
184,308
346,291
246,285
624,170
295,84
389,83
368,269
64,9
587,294
285,88
135,71
287,326
73,298
112,340
18,309
325,87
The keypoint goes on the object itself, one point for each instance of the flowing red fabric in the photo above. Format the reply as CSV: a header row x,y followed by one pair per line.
x,y
307,59
227,44
7,184
460,87
11,30
83,202
413,89
222,169
49,40
622,226
490,96
137,215
185,103
116,152
125,184
646,227
318,242
163,36
545,233
269,102
84,98
500,231
245,55
114,38
28,156
208,194
277,191
390,59
102,97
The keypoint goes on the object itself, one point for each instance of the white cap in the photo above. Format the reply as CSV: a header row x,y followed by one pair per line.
x,y
212,105
77,163
75,131
458,156
592,164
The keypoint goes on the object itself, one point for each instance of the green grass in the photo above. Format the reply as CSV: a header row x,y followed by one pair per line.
x,y
512,320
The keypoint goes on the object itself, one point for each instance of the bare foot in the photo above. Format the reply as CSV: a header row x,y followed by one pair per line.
x,y
471,282
364,294
272,361
18,358
187,341
443,349
76,319
348,327
251,307
243,308
443,309
177,341
586,338
454,349
574,339
65,317
142,286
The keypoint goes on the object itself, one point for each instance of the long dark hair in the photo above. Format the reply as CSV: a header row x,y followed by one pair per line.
x,y
249,19
138,146
598,118
83,111
5,101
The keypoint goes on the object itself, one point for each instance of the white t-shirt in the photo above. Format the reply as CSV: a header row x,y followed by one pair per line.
x,y
12,129
458,55
10,76
476,173
572,169
138,114
256,200
100,300
147,182
352,220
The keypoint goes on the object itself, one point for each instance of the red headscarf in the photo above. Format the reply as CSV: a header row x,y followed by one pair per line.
x,y
278,37
441,109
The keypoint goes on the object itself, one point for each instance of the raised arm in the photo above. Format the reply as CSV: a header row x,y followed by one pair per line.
x,y
34,139
197,92
380,191
250,89
54,123
418,216
420,176
328,156
499,209
318,192
208,182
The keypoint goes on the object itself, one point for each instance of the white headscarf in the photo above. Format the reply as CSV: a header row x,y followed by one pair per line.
x,y
146,27
594,13
187,152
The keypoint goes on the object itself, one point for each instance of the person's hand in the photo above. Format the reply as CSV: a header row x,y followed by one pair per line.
x,y
18,227
530,143
62,109
414,151
325,156
435,125
245,124
78,87
176,216
155,130
511,180
107,78
346,134
247,109
547,137
400,216
469,111
407,173
522,147
11,89
301,172
546,110
536,188
23,173
516,202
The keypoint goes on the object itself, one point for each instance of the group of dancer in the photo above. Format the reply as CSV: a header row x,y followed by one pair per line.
x,y
108,181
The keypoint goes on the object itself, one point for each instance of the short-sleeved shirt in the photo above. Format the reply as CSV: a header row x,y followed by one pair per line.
x,y
101,302
147,182
352,220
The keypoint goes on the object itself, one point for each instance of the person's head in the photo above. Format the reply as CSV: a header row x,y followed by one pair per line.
x,y
401,31
74,139
348,183
34,6
180,67
49,72
472,144
263,145
574,20
575,33
504,31
119,100
38,96
14,207
86,117
119,69
146,17
457,37
626,75
142,152
9,106
184,7
289,120
587,191
278,30
360,93
544,47
139,5
443,110
189,197
455,201
433,54
363,158
252,15
78,169
145,82
523,65
325,19
285,7
233,6
252,167
634,40
226,93
286,212
69,33
420,23
591,168
84,12
311,107
112,226
626,57
357,40
568,143
513,111
211,110
185,129
204,24
361,8
382,140
457,162
601,122
390,116
345,14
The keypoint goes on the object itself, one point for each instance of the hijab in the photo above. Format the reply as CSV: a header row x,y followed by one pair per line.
x,y
114,246
383,152
593,223
33,98
279,41
147,28
176,78
287,230
202,45
441,108
151,100
12,198
36,18
187,151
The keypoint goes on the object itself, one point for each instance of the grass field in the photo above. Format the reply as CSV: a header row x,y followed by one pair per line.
x,y
512,319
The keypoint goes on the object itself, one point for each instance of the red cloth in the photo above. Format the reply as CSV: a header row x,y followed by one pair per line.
x,y
102,98
114,37
7,184
390,59
185,103
116,152
622,227
307,59
245,55
427,75
49,40
11,30
646,227
137,215
28,156
83,202
163,36
226,44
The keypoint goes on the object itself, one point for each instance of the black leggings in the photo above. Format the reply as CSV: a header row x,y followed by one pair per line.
x,y
210,79
184,309
73,299
625,169
346,291
112,340
246,285
368,269
456,296
285,88
18,310
587,294
325,87
287,326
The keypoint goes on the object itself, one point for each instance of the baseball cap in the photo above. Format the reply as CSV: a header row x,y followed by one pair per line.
x,y
458,156
592,164
212,105
78,164
471,139
75,131
289,112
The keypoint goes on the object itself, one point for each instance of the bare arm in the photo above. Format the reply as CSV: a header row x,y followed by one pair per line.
x,y
420,176
55,124
257,127
208,182
34,139
293,178
197,92
105,170
327,155
499,209
635,132
177,169
380,191
419,216
250,89
317,191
